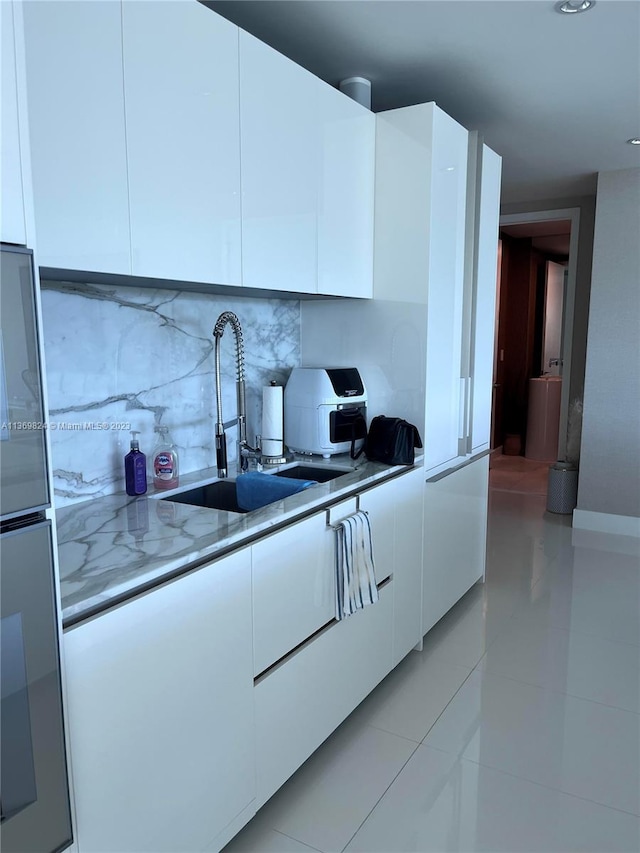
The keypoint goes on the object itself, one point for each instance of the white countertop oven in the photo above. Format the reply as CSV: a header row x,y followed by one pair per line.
x,y
325,410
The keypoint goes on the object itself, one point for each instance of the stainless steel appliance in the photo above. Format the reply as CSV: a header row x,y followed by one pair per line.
x,y
325,410
35,812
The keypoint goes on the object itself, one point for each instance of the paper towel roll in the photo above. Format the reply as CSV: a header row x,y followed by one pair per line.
x,y
272,421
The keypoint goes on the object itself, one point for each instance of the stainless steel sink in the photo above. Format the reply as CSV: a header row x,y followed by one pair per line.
x,y
219,495
319,473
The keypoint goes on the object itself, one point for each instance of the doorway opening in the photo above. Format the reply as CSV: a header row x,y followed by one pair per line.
x,y
532,364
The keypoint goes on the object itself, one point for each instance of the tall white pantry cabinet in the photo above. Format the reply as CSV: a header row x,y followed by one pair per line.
x,y
437,212
439,169
12,211
437,208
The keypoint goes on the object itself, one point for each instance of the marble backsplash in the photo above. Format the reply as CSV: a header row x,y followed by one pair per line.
x,y
126,358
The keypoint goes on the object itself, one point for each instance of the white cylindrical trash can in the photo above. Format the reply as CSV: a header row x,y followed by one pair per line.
x,y
562,488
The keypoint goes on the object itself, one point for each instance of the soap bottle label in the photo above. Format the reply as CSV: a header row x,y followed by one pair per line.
x,y
163,466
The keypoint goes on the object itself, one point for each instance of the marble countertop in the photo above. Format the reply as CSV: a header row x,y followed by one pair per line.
x,y
113,547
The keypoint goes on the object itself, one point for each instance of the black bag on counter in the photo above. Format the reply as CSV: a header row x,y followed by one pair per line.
x,y
391,440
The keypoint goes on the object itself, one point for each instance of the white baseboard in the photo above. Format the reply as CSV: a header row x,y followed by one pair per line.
x,y
604,522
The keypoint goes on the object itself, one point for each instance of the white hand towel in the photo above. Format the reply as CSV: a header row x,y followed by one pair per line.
x,y
355,571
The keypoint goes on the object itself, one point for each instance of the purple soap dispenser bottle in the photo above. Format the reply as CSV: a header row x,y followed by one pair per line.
x,y
135,468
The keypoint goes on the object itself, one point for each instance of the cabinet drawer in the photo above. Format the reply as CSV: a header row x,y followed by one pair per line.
x,y
293,589
294,584
300,702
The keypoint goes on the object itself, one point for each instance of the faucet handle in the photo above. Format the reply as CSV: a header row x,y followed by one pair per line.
x,y
221,453
247,452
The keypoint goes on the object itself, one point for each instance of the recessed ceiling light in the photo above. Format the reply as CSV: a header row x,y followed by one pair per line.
x,y
635,140
571,7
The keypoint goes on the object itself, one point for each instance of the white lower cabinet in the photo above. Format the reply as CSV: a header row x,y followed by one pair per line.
x,y
301,702
191,705
455,538
294,589
160,709
395,512
328,672
407,560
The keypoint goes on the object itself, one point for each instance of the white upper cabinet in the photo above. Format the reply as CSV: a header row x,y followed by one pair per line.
x,y
280,160
435,189
403,178
183,141
12,218
167,144
345,195
307,179
77,133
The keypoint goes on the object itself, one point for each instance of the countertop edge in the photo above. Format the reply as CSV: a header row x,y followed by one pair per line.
x,y
296,508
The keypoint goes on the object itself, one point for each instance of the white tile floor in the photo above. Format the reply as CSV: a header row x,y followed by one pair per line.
x,y
516,728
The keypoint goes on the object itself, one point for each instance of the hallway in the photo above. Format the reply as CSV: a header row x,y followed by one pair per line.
x,y
517,728
518,474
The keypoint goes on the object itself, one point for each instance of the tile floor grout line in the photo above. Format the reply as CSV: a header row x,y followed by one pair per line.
x,y
559,692
415,744
547,787
395,734
413,752
418,745
594,636
298,840
446,706
577,631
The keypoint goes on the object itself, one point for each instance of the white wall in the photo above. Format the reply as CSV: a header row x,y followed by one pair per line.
x,y
385,340
138,356
610,453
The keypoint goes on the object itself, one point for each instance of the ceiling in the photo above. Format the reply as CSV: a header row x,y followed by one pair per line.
x,y
550,236
556,95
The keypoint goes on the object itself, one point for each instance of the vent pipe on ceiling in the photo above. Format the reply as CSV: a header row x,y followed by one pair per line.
x,y
358,88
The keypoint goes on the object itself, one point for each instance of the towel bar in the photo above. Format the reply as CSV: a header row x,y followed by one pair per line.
x,y
336,526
